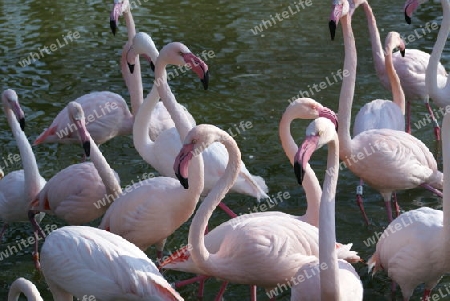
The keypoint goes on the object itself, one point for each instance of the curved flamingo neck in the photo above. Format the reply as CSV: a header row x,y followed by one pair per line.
x,y
329,277
21,286
134,81
446,191
377,48
200,255
398,97
347,89
432,69
30,168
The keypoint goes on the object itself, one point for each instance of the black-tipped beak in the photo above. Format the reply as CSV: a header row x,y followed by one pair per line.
x,y
113,26
131,67
205,80
183,181
152,66
87,148
22,123
407,18
299,172
332,26
402,52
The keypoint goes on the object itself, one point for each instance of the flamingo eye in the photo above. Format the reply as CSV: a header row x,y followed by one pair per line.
x,y
194,141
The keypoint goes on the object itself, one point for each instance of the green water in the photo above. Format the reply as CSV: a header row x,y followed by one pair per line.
x,y
252,79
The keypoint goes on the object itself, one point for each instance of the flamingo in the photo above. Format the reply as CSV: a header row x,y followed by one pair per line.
x,y
388,160
413,249
18,188
160,152
303,108
263,248
437,82
381,113
152,211
80,260
160,119
411,70
25,286
337,280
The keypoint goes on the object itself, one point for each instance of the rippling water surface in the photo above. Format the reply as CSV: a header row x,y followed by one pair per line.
x,y
252,79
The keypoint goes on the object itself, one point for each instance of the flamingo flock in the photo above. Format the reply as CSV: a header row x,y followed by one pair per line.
x,y
199,164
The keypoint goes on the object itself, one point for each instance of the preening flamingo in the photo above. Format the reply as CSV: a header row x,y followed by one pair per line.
x,y
160,119
79,261
387,160
336,279
264,248
18,188
413,249
22,285
437,82
160,152
381,113
152,211
411,70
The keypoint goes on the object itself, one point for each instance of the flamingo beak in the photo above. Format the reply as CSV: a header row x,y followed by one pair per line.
x,y
303,155
336,13
181,164
130,67
114,17
199,67
22,123
402,52
409,8
20,115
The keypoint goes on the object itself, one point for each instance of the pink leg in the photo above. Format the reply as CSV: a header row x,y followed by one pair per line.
x,y
437,129
201,288
426,295
182,283
393,289
397,208
36,229
432,189
408,118
221,291
387,204
360,201
227,210
252,292
4,228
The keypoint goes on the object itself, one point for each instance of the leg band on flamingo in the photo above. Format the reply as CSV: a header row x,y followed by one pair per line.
x,y
360,201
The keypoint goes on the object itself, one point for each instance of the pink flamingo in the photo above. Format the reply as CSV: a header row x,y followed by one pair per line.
x,y
418,240
411,70
388,160
18,188
152,211
437,82
164,149
302,108
275,243
22,285
339,280
380,113
160,119
79,261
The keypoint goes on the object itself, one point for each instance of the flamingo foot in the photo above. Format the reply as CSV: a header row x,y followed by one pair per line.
x,y
426,295
4,228
182,283
227,210
221,291
397,208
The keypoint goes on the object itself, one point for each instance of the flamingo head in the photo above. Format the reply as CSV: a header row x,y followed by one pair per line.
x,y
410,7
76,115
319,132
339,9
181,164
142,45
120,6
329,114
308,108
178,54
394,40
10,99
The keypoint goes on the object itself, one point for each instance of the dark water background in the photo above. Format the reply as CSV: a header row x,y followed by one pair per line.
x,y
252,79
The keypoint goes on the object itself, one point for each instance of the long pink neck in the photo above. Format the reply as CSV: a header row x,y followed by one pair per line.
x,y
398,96
329,277
347,89
377,48
200,255
134,81
27,288
432,69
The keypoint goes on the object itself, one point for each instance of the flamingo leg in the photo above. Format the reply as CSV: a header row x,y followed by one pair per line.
x,y
426,295
432,189
182,283
227,210
408,117
201,288
393,289
397,208
4,228
387,203
221,291
252,292
360,201
37,230
437,129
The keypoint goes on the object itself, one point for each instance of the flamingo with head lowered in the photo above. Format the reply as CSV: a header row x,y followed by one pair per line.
x,y
387,160
22,285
